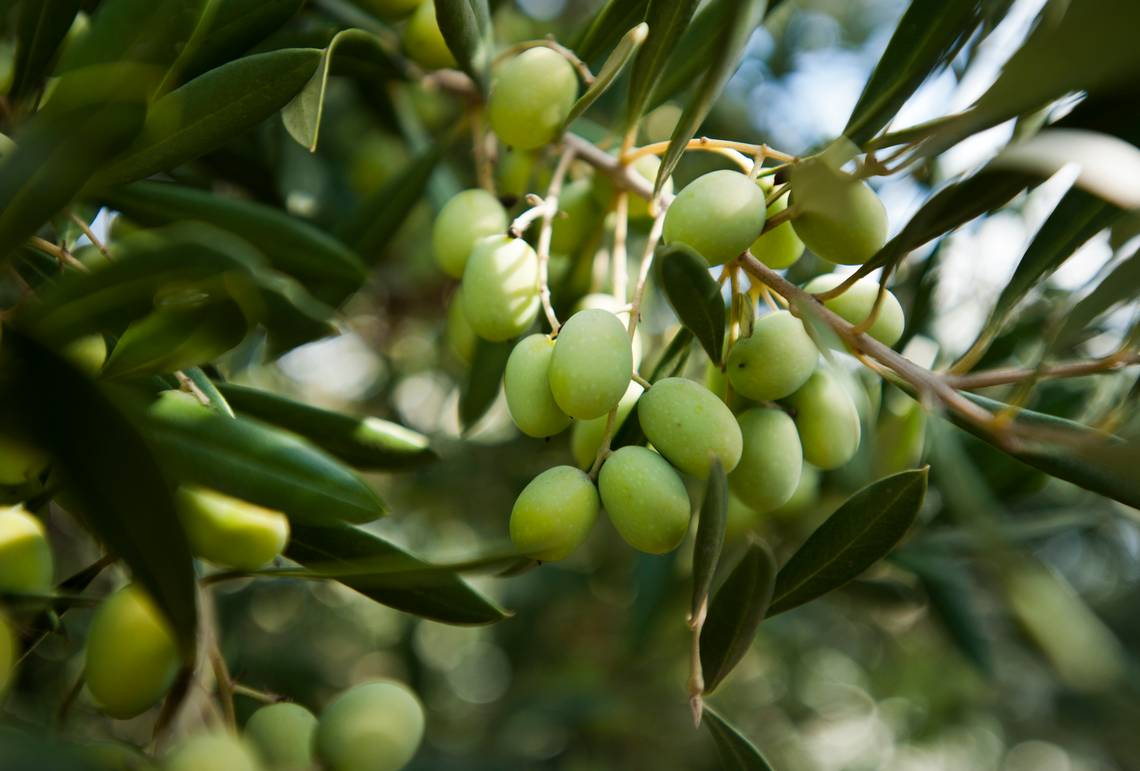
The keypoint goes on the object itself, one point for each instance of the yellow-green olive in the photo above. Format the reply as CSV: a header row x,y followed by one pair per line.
x,y
645,499
554,513
690,426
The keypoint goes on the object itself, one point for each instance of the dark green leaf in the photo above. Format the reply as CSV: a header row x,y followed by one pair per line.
x,y
237,26
735,613
1118,286
369,443
466,28
710,536
203,383
441,597
859,534
613,67
483,380
607,26
255,462
684,278
667,21
171,339
40,29
736,752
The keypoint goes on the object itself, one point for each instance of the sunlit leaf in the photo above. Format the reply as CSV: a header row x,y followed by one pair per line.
x,y
667,20
607,26
613,67
466,28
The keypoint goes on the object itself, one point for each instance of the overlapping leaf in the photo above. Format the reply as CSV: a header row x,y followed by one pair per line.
x,y
683,275
735,613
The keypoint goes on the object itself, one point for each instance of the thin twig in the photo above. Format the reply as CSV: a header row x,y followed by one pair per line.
x,y
225,684
643,270
87,231
62,255
253,693
545,234
1067,369
618,259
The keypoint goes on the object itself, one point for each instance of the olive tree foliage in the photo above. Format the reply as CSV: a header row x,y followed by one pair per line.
x,y
168,117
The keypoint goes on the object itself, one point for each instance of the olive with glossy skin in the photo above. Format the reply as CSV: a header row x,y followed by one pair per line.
x,y
577,218
771,462
838,216
530,98
690,426
719,214
282,734
586,435
423,42
25,556
776,359
526,382
460,336
827,421
608,302
554,513
212,752
228,531
466,218
637,207
9,650
856,303
500,287
376,726
645,498
780,247
131,657
592,364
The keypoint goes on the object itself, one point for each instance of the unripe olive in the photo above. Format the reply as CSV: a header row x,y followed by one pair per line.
x,y
839,217
527,385
87,353
645,498
856,303
771,462
228,531
827,421
719,214
212,752
577,217
423,42
500,287
805,495
514,173
608,302
776,359
739,519
530,98
116,756
690,426
460,335
131,657
466,218
780,247
282,734
9,651
20,463
554,513
586,435
25,556
390,9
637,207
376,726
592,364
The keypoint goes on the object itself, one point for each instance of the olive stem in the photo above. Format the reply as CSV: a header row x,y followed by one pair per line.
x,y
778,219
604,447
253,693
1066,369
641,381
866,324
776,194
544,235
90,234
696,675
713,145
619,267
62,255
483,162
225,684
643,270
522,223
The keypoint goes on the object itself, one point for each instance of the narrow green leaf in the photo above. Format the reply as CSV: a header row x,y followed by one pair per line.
x,y
684,278
736,752
613,67
483,380
203,383
605,28
1117,287
236,27
40,29
667,21
859,534
441,597
709,540
735,613
256,462
175,338
369,443
466,28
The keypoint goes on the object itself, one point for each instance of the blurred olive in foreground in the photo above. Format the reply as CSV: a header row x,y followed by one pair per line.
x,y
283,735
25,555
228,531
376,726
554,513
212,752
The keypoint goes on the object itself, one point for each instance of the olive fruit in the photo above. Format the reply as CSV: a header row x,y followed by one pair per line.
x,y
838,216
577,216
592,364
805,495
739,519
423,42
87,353
776,359
780,247
20,463
690,426
463,220
460,336
500,287
531,95
637,207
527,386
645,498
131,657
25,556
608,302
9,651
218,751
770,464
514,173
283,734
586,435
827,421
376,726
856,303
719,214
229,531
554,513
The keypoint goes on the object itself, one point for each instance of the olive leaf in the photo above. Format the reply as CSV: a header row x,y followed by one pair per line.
x,y
1117,287
466,28
735,613
235,27
483,380
695,297
40,29
605,28
736,752
610,71
667,20
709,540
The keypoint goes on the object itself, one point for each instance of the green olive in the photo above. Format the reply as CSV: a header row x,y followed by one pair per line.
x,y
607,302
500,287
283,735
376,726
719,214
87,353
586,435
131,657
645,498
466,218
637,207
460,336
690,426
827,421
838,217
776,359
771,462
25,556
804,497
554,513
856,303
20,463
531,96
9,651
213,752
515,172
527,385
780,247
423,42
228,531
577,218
592,364
740,520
